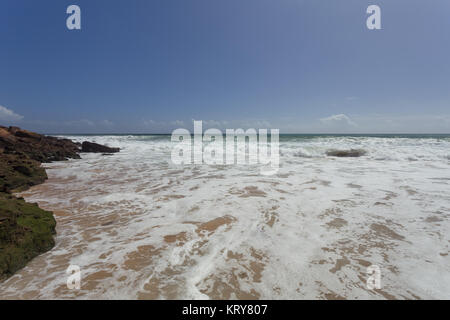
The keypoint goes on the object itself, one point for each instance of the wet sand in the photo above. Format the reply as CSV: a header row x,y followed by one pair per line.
x,y
145,230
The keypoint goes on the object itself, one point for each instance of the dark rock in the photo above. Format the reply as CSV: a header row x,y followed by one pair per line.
x,y
95,147
26,230
346,153
23,170
18,172
38,147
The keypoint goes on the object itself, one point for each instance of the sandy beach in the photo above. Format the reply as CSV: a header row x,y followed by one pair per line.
x,y
141,228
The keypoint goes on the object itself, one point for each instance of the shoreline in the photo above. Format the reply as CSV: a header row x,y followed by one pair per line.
x,y
26,230
141,229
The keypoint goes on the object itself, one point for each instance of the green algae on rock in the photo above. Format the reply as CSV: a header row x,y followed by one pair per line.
x,y
25,232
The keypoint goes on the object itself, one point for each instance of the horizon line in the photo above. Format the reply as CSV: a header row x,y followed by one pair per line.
x,y
299,133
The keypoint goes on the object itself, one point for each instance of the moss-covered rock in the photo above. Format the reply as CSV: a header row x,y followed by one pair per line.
x,y
25,229
25,232
19,172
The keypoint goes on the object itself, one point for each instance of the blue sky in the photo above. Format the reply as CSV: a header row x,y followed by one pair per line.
x,y
142,66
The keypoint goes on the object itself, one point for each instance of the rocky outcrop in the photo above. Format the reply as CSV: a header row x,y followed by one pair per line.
x,y
35,146
19,173
346,153
26,230
95,147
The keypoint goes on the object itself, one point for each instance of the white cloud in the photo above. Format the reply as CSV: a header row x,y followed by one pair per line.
x,y
419,123
235,124
162,125
9,115
368,123
212,123
82,122
107,123
149,123
338,120
177,123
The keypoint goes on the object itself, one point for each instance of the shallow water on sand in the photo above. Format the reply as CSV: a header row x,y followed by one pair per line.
x,y
141,227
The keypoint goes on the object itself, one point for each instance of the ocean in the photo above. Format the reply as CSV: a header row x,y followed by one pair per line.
x,y
140,227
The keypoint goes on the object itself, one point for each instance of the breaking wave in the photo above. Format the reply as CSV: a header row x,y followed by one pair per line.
x,y
140,227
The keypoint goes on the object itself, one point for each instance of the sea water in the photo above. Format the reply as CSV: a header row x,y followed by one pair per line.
x,y
140,227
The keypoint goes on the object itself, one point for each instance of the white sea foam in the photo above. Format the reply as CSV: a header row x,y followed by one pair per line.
x,y
140,227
